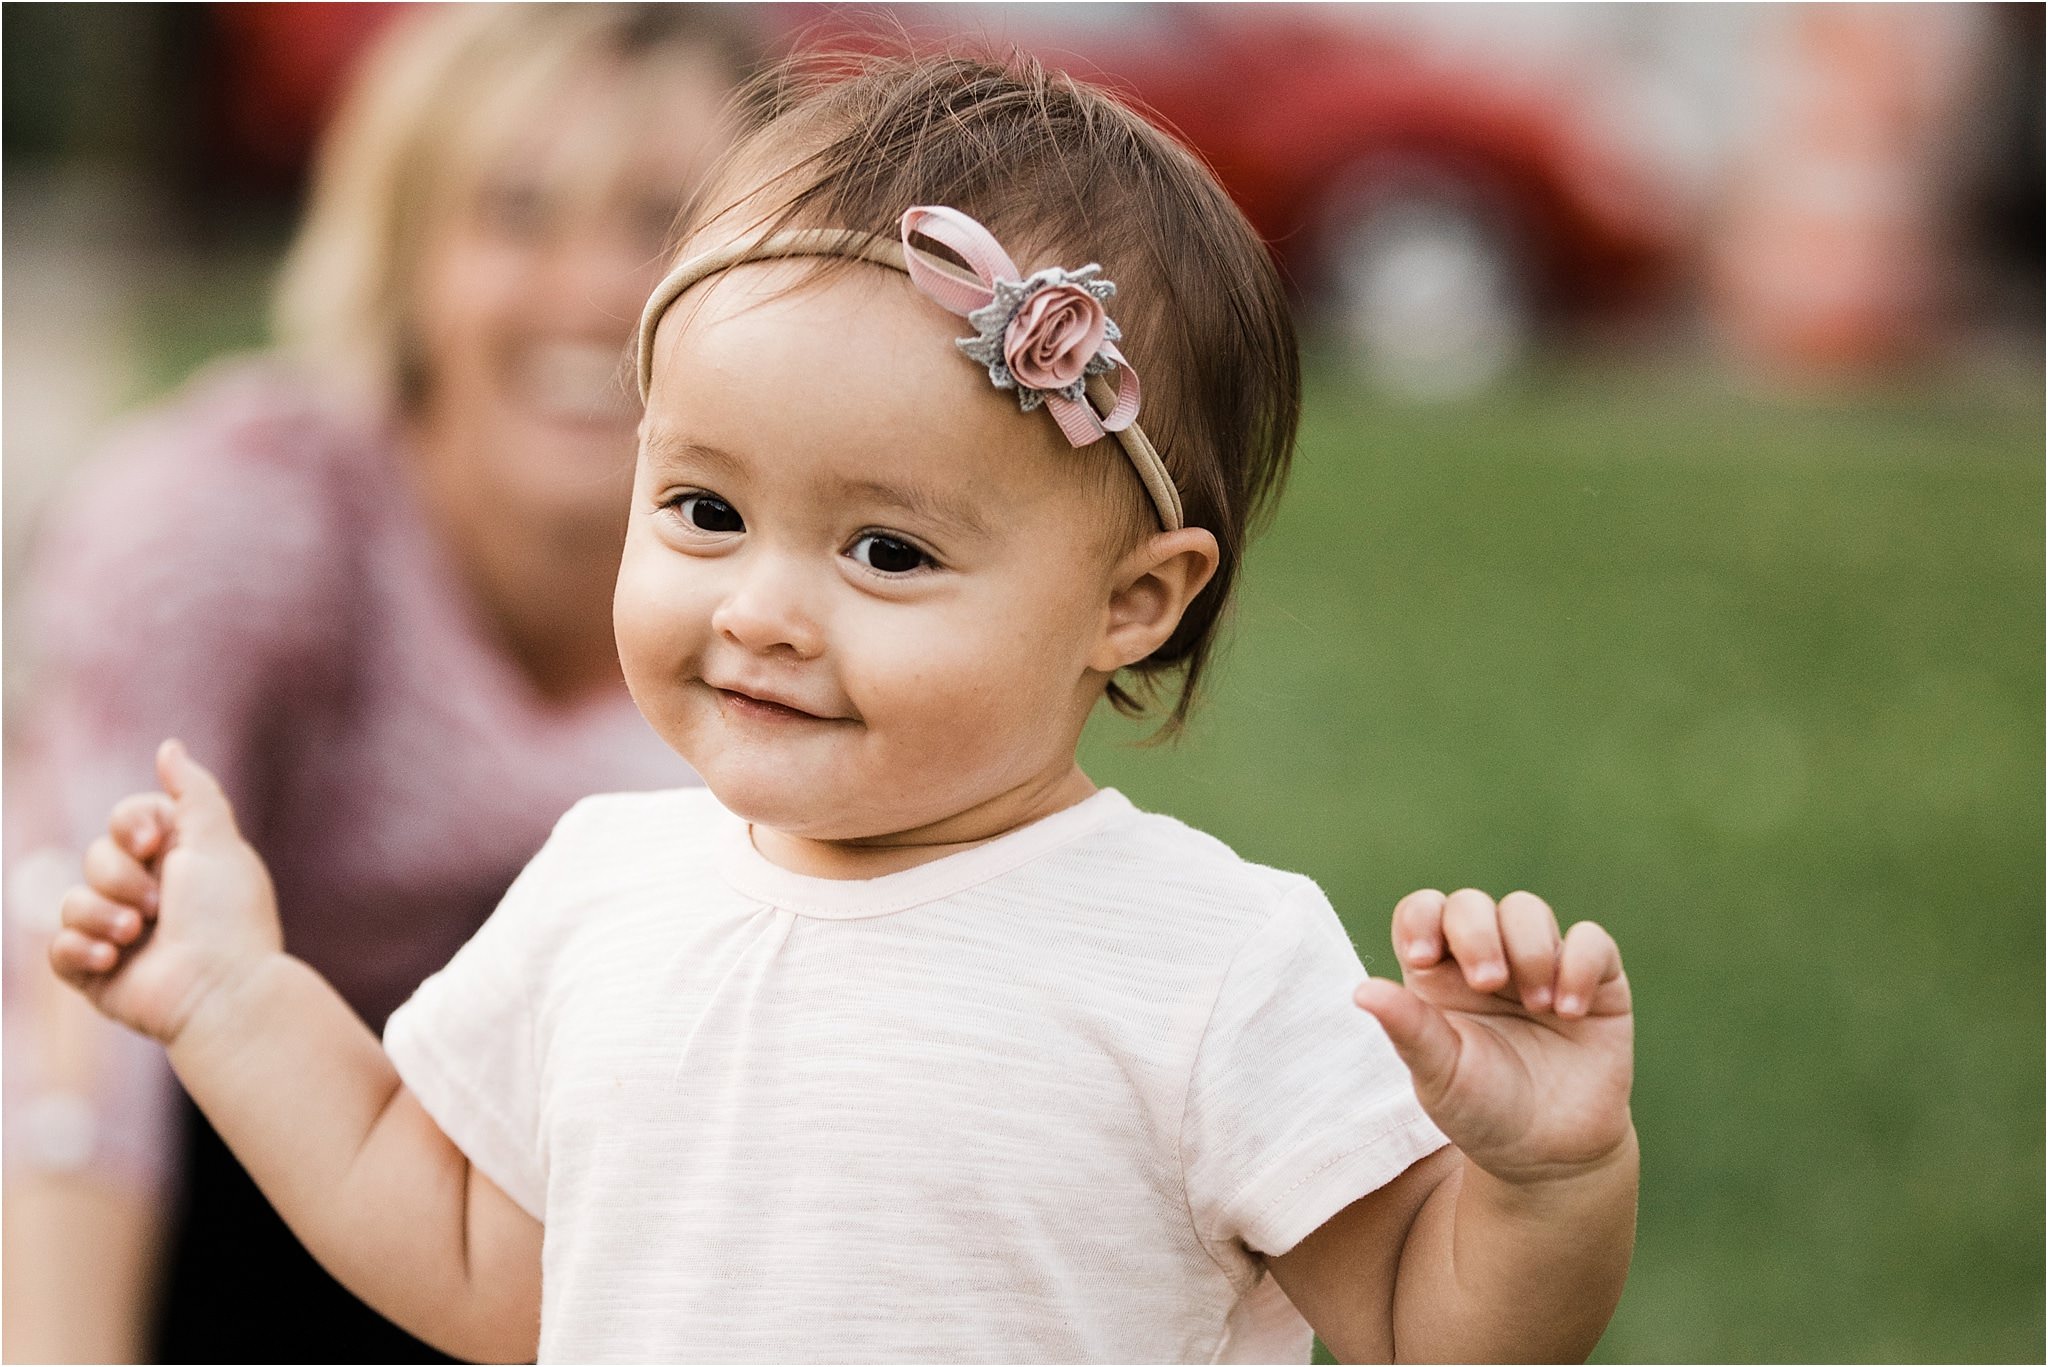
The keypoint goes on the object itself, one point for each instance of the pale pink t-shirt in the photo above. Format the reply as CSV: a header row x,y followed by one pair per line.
x,y
1043,1100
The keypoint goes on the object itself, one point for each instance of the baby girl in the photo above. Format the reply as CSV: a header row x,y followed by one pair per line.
x,y
903,1041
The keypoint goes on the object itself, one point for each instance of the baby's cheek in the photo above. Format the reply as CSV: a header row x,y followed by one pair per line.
x,y
657,624
631,622
972,697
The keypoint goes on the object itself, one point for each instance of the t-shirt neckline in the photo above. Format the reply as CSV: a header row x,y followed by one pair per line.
x,y
750,873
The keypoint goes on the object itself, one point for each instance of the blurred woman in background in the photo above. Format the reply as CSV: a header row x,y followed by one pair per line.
x,y
370,576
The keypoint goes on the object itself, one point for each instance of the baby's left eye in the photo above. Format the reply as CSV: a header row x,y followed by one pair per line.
x,y
887,554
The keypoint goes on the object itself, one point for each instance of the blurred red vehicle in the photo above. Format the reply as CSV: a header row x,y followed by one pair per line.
x,y
277,71
1433,213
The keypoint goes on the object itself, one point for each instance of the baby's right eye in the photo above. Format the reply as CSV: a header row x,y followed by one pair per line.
x,y
707,513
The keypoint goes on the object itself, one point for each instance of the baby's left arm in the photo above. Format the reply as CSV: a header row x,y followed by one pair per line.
x,y
1513,1245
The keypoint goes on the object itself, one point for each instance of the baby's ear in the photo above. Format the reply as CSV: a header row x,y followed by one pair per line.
x,y
1149,590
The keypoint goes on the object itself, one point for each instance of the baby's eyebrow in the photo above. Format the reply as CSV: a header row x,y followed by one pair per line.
x,y
917,500
666,451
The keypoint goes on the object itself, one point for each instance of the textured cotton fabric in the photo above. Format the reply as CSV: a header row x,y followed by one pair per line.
x,y
1045,1099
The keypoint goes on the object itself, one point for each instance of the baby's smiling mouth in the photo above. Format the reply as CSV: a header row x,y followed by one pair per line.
x,y
757,707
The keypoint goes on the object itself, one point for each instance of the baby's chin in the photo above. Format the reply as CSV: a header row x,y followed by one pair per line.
x,y
794,804
850,814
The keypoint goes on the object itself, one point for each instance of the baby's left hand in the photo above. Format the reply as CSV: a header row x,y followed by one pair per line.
x,y
1520,1040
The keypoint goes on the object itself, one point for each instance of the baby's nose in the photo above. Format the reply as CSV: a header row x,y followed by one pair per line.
x,y
767,611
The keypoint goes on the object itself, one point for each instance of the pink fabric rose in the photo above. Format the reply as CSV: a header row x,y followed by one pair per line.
x,y
1054,336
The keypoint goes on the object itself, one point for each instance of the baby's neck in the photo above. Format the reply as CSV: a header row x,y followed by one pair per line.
x,y
876,855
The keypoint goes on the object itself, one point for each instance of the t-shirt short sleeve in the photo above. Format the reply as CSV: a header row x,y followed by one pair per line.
x,y
1298,1104
465,1042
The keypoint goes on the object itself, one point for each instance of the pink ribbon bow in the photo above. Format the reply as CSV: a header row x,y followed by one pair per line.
x,y
1050,334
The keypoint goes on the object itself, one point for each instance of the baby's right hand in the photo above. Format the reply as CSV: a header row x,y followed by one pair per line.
x,y
175,906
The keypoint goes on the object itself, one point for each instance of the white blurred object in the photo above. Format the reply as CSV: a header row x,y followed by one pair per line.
x,y
60,1132
1428,295
36,886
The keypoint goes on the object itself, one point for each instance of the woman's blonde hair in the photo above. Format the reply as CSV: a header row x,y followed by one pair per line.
x,y
432,108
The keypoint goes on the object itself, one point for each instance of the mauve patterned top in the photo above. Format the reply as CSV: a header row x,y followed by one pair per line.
x,y
249,571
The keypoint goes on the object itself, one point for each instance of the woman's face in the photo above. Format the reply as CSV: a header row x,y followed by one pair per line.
x,y
529,283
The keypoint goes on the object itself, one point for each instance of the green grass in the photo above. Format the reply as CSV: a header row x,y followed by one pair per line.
x,y
1758,685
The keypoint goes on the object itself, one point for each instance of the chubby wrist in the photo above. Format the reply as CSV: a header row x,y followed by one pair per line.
x,y
1561,1240
1565,1189
225,1006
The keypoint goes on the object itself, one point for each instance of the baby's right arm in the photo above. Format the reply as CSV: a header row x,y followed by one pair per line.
x,y
176,935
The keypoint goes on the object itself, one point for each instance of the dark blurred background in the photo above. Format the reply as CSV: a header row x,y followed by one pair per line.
x,y
1666,537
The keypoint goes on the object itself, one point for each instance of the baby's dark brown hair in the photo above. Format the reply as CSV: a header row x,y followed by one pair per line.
x,y
1064,173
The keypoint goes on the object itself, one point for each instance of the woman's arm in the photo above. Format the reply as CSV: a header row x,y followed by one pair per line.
x,y
82,1236
91,1147
176,935
82,1256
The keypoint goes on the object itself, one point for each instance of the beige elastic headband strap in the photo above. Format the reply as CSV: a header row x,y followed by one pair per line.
x,y
888,252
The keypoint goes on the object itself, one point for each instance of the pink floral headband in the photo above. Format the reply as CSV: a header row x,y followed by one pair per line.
x,y
1048,337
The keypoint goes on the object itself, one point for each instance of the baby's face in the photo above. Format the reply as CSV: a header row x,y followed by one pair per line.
x,y
835,510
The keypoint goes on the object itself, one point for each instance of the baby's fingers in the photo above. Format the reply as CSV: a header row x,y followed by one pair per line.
x,y
1418,1031
141,823
1472,925
89,913
1418,928
1529,928
80,959
203,808
1589,976
114,873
